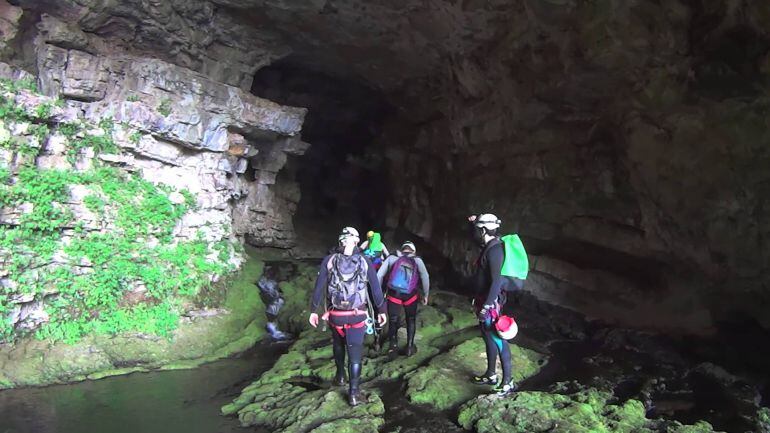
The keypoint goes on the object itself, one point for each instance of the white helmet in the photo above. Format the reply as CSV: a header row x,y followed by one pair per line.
x,y
410,245
488,221
348,232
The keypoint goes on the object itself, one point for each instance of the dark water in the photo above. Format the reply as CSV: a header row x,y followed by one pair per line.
x,y
171,401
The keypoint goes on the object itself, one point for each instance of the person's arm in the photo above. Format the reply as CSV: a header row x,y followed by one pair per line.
x,y
424,277
495,256
383,270
385,252
364,245
320,284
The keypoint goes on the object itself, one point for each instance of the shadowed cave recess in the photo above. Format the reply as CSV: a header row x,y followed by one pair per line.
x,y
625,142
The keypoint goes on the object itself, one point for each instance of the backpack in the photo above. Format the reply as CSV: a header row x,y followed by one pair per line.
x,y
346,287
515,263
404,277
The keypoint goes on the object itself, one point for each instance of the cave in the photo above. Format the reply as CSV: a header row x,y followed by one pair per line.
x,y
342,176
159,159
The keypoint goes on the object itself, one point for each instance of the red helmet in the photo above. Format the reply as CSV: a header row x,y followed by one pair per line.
x,y
506,327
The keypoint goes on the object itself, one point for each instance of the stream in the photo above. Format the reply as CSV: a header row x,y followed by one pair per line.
x,y
184,401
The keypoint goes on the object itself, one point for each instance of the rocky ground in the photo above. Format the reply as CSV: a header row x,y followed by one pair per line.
x,y
431,392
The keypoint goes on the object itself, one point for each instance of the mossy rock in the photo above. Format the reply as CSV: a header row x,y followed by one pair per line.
x,y
288,398
587,411
289,408
699,427
34,362
347,425
397,368
445,382
763,420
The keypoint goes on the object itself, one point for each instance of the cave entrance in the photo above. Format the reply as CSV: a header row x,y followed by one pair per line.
x,y
342,177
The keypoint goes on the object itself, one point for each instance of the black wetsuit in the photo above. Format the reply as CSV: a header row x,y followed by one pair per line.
x,y
490,289
353,340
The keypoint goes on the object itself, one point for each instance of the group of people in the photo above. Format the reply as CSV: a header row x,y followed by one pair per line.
x,y
358,283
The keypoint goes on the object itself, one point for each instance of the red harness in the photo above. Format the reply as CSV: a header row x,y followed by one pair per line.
x,y
345,313
406,303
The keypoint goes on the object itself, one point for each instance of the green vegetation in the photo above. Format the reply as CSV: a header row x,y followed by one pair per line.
x,y
164,107
28,83
130,277
587,411
135,137
444,384
132,97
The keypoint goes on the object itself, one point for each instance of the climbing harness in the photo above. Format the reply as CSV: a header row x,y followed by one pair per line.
x,y
346,313
405,303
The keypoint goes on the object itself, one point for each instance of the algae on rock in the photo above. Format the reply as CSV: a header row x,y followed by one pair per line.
x,y
294,394
587,411
445,382
197,340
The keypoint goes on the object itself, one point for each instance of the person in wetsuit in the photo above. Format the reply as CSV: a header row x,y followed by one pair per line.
x,y
375,249
271,296
404,299
490,295
343,277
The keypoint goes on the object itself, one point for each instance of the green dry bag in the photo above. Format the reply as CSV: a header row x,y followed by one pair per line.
x,y
516,263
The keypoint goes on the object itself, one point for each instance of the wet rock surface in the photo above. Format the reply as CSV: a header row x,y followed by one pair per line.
x,y
444,382
611,380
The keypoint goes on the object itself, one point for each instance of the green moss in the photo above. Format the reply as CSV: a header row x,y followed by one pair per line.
x,y
135,137
763,420
699,427
121,258
137,250
348,425
289,408
164,107
588,411
114,372
445,382
279,401
530,412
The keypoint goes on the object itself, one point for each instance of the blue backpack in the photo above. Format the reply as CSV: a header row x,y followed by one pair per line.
x,y
404,276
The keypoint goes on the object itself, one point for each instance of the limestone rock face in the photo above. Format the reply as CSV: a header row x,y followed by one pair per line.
x,y
194,131
165,123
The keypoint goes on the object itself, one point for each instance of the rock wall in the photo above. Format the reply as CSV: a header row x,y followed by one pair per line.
x,y
625,141
202,156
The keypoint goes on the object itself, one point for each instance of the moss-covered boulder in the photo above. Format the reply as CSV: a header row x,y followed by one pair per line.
x,y
445,382
294,395
291,408
237,326
588,411
763,420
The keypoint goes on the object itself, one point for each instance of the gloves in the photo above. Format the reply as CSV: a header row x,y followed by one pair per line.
x,y
485,309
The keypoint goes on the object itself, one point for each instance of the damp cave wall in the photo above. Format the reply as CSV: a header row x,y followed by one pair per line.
x,y
625,141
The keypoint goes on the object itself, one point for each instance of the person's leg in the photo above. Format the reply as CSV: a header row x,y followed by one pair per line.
x,y
506,386
338,348
354,339
505,360
394,322
410,312
489,377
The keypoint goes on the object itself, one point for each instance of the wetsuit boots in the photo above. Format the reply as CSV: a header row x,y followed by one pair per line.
x,y
354,396
411,327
